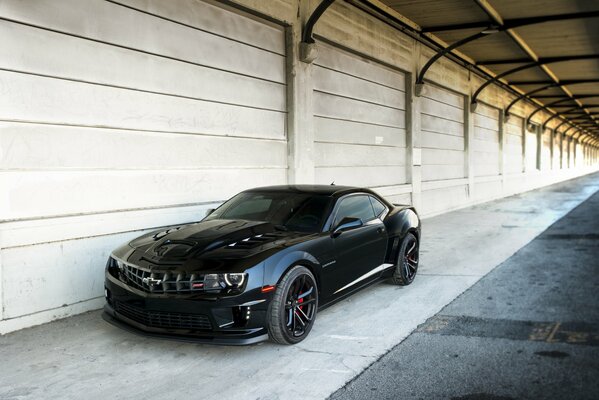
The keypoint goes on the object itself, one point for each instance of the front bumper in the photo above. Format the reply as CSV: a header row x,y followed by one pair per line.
x,y
237,320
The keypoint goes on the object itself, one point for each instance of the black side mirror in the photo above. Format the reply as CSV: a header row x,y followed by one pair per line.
x,y
347,224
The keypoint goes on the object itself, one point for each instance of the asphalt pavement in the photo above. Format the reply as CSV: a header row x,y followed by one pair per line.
x,y
527,330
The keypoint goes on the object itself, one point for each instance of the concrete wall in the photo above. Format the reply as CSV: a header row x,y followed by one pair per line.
x,y
119,117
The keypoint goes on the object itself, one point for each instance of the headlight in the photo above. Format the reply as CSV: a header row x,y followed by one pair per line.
x,y
235,280
219,282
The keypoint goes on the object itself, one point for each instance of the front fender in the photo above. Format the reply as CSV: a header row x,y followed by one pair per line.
x,y
278,265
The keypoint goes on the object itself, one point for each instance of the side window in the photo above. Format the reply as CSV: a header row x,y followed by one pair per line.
x,y
378,206
356,207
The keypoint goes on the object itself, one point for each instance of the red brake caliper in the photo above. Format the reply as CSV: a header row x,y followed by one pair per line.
x,y
301,301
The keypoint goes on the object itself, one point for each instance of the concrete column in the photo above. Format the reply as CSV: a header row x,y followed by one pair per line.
x,y
539,146
524,130
300,121
568,143
502,148
468,145
552,148
561,151
413,123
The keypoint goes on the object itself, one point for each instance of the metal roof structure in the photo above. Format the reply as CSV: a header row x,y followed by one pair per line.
x,y
545,52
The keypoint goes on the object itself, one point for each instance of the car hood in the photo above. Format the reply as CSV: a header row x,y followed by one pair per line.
x,y
212,239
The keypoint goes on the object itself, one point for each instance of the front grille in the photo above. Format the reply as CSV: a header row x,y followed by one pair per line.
x,y
163,319
161,282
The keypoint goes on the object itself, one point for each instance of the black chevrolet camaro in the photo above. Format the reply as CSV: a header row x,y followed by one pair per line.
x,y
261,265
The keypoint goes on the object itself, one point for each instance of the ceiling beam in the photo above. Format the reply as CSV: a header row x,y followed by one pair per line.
x,y
584,105
557,96
541,61
512,23
547,82
519,41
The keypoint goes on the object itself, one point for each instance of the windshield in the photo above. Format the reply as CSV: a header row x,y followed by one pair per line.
x,y
293,211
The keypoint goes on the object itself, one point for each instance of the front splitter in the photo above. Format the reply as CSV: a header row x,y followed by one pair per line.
x,y
110,316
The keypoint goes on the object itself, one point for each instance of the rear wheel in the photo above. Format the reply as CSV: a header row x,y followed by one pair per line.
x,y
407,261
293,309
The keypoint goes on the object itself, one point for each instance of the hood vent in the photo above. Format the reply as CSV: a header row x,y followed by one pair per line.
x,y
254,241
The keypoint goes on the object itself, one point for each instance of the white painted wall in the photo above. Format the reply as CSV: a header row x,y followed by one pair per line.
x,y
115,120
120,117
359,122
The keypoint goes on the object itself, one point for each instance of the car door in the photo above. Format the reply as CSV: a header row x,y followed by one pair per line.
x,y
359,251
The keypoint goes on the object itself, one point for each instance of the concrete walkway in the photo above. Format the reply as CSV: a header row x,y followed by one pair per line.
x,y
527,330
84,357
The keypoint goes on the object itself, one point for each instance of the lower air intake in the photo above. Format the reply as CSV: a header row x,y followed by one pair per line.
x,y
163,319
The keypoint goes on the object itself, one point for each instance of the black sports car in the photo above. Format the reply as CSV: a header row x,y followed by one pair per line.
x,y
261,265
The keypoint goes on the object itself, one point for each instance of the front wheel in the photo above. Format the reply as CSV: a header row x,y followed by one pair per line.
x,y
293,308
407,261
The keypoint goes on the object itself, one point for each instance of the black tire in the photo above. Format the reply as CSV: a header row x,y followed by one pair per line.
x,y
406,265
288,311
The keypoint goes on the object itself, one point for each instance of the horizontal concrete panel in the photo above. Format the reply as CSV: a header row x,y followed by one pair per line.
x,y
435,124
437,109
400,198
108,22
443,199
442,95
340,131
354,29
333,82
435,172
351,155
371,176
331,106
96,62
442,157
484,110
46,230
481,121
513,140
433,140
39,146
487,169
485,146
487,190
54,275
486,135
218,20
387,191
112,23
513,165
37,194
351,64
39,99
513,130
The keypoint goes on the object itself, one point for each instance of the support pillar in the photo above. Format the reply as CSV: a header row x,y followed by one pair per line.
x,y
413,124
502,160
561,151
468,145
524,160
300,121
552,148
539,146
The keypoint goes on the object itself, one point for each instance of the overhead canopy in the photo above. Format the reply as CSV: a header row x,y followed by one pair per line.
x,y
547,49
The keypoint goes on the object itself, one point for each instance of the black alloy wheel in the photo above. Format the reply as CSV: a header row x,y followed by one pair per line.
x,y
407,261
293,308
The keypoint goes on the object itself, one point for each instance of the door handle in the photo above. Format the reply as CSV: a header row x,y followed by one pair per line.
x,y
380,230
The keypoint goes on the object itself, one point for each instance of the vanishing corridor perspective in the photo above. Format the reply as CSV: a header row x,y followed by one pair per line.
x,y
119,117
